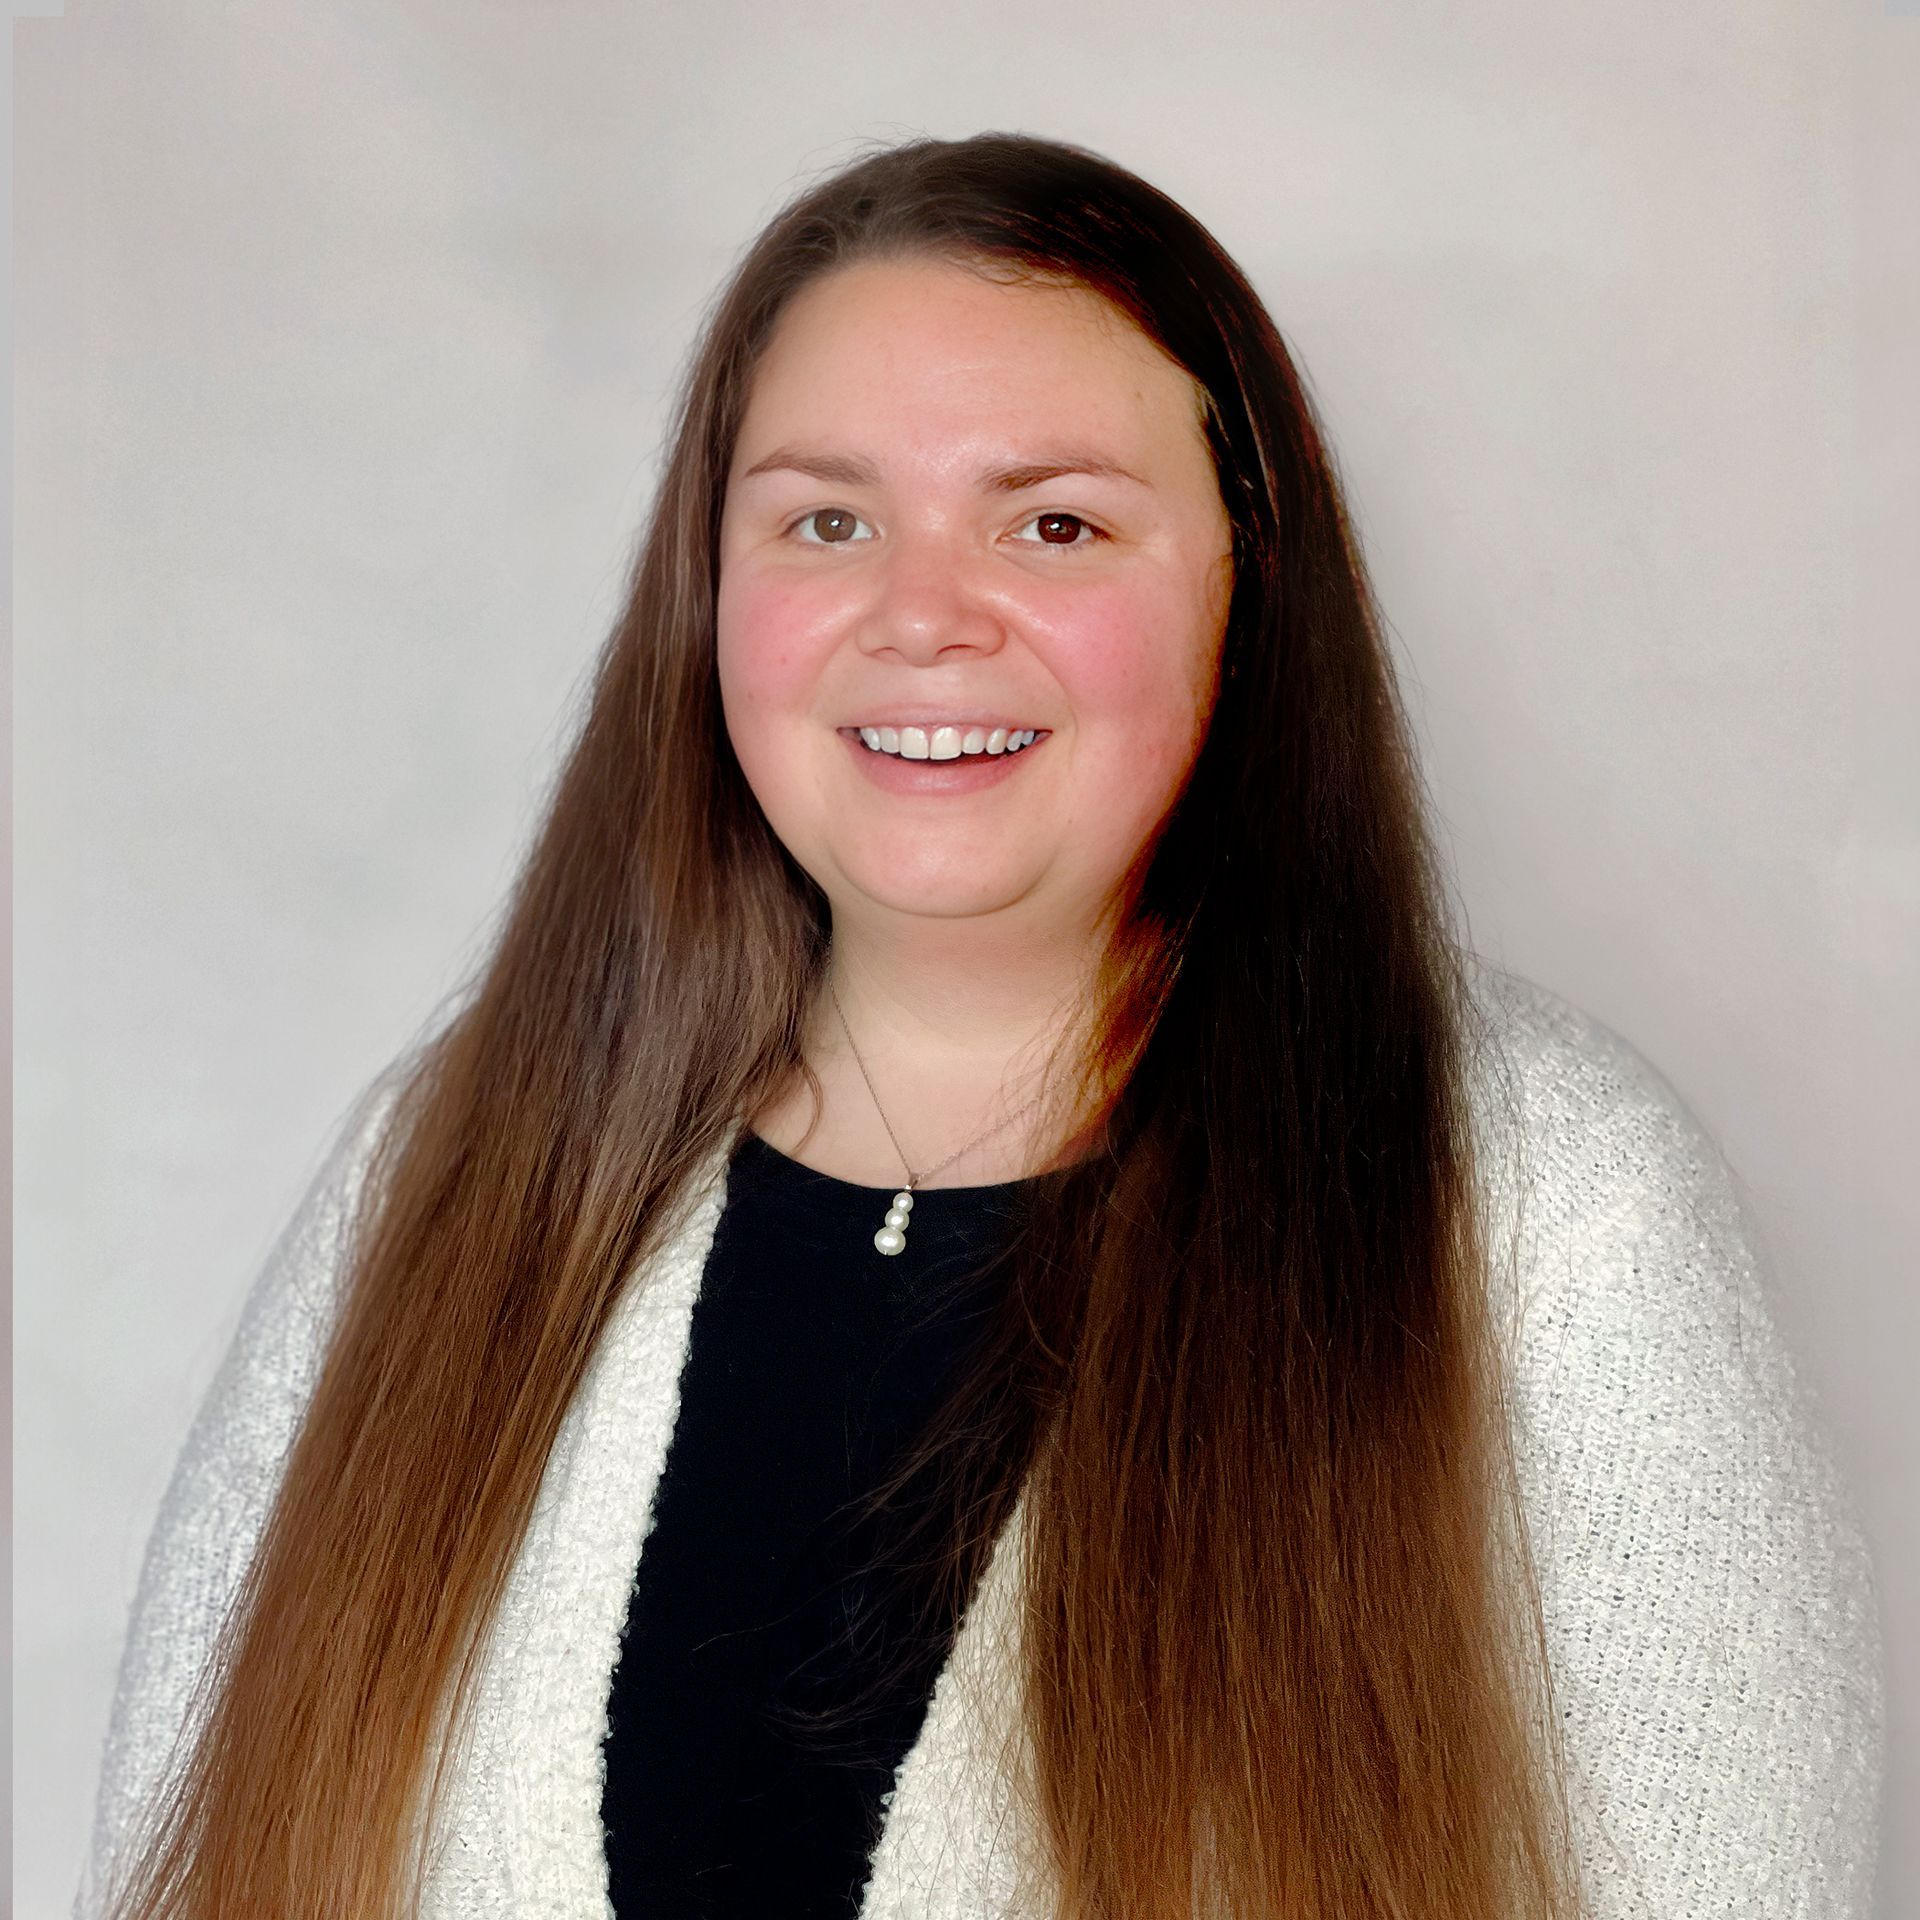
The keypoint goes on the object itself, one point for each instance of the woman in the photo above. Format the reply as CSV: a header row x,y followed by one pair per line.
x,y
981,1312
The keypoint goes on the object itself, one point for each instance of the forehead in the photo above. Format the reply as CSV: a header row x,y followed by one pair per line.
x,y
940,347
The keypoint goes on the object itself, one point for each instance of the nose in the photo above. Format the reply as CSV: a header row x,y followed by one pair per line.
x,y
924,605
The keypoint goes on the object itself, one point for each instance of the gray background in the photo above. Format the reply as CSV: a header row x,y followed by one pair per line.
x,y
344,333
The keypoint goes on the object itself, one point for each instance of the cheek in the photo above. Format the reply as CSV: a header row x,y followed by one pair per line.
x,y
1133,662
767,654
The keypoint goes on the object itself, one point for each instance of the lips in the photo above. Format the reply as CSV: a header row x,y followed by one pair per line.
x,y
944,741
954,775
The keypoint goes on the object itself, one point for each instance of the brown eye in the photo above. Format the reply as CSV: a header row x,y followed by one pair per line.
x,y
835,525
1064,529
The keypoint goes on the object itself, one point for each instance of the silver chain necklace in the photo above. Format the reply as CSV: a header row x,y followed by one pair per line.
x,y
892,1237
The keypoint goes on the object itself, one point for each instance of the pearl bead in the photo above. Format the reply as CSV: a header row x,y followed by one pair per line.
x,y
903,1200
889,1239
897,1216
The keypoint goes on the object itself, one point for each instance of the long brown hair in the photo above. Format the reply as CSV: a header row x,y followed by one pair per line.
x,y
1281,1651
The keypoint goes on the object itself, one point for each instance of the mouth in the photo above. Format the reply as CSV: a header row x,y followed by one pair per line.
x,y
938,741
951,772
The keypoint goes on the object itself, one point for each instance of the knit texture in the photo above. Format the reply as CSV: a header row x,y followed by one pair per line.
x,y
1711,1606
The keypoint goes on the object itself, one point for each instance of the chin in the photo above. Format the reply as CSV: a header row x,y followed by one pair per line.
x,y
942,896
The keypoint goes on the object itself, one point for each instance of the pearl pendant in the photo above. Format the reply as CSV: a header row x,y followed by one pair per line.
x,y
892,1237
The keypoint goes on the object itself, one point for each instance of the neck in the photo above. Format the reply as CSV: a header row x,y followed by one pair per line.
x,y
954,1025
952,1006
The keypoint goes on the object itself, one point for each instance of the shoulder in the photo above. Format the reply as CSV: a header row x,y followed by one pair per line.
x,y
1615,1219
1587,1151
1582,1100
1606,1203
298,1285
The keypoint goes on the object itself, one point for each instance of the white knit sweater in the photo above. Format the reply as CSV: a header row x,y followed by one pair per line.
x,y
1710,1600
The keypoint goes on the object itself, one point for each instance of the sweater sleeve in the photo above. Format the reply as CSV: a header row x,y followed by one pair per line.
x,y
216,1502
1711,1603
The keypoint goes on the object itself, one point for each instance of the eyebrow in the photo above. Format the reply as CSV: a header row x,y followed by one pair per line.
x,y
847,471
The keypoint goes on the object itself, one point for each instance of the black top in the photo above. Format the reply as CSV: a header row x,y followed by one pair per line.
x,y
813,1360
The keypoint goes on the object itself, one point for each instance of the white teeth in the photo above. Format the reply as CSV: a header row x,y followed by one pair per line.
x,y
945,743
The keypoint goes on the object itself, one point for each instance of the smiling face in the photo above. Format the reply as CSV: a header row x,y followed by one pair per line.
x,y
895,549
